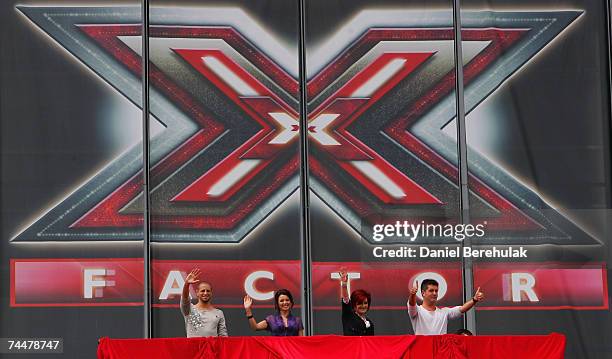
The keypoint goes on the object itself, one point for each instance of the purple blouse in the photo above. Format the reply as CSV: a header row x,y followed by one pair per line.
x,y
276,326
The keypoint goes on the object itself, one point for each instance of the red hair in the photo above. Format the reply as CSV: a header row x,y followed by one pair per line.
x,y
359,296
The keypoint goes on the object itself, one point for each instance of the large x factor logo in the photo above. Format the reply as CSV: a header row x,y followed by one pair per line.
x,y
226,92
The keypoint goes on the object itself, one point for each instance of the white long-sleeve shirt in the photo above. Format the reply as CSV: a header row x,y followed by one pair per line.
x,y
425,322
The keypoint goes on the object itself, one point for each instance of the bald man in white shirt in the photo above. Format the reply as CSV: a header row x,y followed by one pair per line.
x,y
428,319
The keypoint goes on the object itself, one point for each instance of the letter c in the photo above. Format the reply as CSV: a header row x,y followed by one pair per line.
x,y
249,285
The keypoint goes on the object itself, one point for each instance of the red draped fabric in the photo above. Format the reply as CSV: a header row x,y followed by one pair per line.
x,y
336,347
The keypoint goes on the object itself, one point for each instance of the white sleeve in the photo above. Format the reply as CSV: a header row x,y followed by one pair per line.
x,y
413,311
454,312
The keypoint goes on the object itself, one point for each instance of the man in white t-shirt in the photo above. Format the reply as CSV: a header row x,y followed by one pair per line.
x,y
428,319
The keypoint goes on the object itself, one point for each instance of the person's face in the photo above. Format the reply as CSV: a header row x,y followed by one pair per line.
x,y
361,308
204,292
430,294
284,303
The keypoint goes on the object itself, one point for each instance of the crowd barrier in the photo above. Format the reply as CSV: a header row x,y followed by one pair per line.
x,y
550,346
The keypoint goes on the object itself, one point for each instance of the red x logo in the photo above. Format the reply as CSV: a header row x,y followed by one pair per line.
x,y
272,149
327,128
378,116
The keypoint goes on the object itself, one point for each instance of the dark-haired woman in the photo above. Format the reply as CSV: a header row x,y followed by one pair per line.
x,y
283,323
354,309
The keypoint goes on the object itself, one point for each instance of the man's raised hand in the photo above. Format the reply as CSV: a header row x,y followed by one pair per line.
x,y
479,295
192,277
415,288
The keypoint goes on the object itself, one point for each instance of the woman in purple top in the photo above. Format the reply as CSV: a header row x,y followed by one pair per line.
x,y
283,323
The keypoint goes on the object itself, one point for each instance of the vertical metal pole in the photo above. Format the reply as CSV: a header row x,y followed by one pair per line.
x,y
304,190
608,138
145,169
464,203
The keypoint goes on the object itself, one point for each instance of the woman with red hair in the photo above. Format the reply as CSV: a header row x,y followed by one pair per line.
x,y
354,309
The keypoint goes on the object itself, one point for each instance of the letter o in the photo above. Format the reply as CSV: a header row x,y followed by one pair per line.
x,y
431,275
